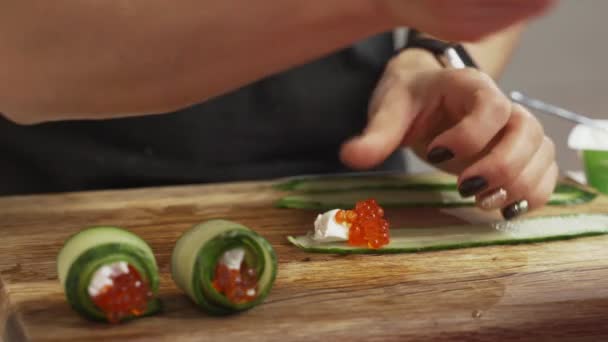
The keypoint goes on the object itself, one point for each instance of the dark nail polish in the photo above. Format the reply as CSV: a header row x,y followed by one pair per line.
x,y
439,155
472,186
515,209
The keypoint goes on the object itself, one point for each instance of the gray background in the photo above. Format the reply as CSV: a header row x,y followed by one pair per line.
x,y
562,59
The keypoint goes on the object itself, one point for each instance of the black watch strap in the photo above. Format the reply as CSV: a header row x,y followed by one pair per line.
x,y
438,47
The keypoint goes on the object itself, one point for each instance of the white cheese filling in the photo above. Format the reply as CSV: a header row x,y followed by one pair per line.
x,y
104,277
233,258
328,230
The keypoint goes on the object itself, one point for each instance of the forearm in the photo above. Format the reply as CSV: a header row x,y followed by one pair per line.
x,y
98,59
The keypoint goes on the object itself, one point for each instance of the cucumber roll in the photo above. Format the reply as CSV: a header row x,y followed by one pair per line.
x,y
109,274
224,267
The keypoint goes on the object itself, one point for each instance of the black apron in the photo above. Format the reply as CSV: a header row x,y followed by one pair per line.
x,y
286,124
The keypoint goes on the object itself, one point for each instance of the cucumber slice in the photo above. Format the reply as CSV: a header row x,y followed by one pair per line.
x,y
412,240
85,252
401,197
366,181
197,252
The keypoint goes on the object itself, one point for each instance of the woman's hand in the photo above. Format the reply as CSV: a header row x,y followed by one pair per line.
x,y
463,20
460,121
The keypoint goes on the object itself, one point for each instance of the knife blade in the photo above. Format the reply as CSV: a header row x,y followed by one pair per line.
x,y
550,109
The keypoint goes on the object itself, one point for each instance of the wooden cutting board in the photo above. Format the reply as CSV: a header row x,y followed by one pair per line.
x,y
529,292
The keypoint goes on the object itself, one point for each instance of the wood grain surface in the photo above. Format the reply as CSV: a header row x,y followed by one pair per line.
x,y
551,291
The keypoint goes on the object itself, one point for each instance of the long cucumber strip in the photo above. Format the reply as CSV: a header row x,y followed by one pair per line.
x,y
85,252
197,252
342,182
393,190
377,181
563,195
412,240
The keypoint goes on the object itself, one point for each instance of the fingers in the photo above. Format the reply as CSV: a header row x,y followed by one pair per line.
x,y
498,148
391,114
532,175
488,112
526,184
522,137
509,163
541,194
536,197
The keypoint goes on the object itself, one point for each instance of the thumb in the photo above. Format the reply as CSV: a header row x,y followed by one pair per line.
x,y
391,114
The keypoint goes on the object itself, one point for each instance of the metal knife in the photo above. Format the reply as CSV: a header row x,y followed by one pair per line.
x,y
451,59
550,109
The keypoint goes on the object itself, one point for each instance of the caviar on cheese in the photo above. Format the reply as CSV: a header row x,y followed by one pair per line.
x,y
364,225
120,291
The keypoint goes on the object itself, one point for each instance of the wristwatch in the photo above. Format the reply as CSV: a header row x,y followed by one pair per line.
x,y
448,54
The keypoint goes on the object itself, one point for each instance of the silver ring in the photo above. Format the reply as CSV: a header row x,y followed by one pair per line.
x,y
515,209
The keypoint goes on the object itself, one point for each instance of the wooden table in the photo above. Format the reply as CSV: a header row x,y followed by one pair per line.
x,y
532,292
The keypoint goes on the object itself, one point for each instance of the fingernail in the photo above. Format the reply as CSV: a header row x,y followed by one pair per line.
x,y
515,209
472,186
494,200
439,155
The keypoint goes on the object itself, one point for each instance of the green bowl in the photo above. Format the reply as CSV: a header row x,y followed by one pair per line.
x,y
596,169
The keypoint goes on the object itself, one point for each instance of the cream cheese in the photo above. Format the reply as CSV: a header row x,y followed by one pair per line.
x,y
328,230
104,276
233,258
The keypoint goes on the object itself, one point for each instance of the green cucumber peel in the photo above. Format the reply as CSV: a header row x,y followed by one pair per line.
x,y
393,190
83,268
365,181
95,236
523,231
400,197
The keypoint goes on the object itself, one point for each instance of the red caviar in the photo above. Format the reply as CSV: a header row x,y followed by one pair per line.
x,y
127,296
367,226
239,286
